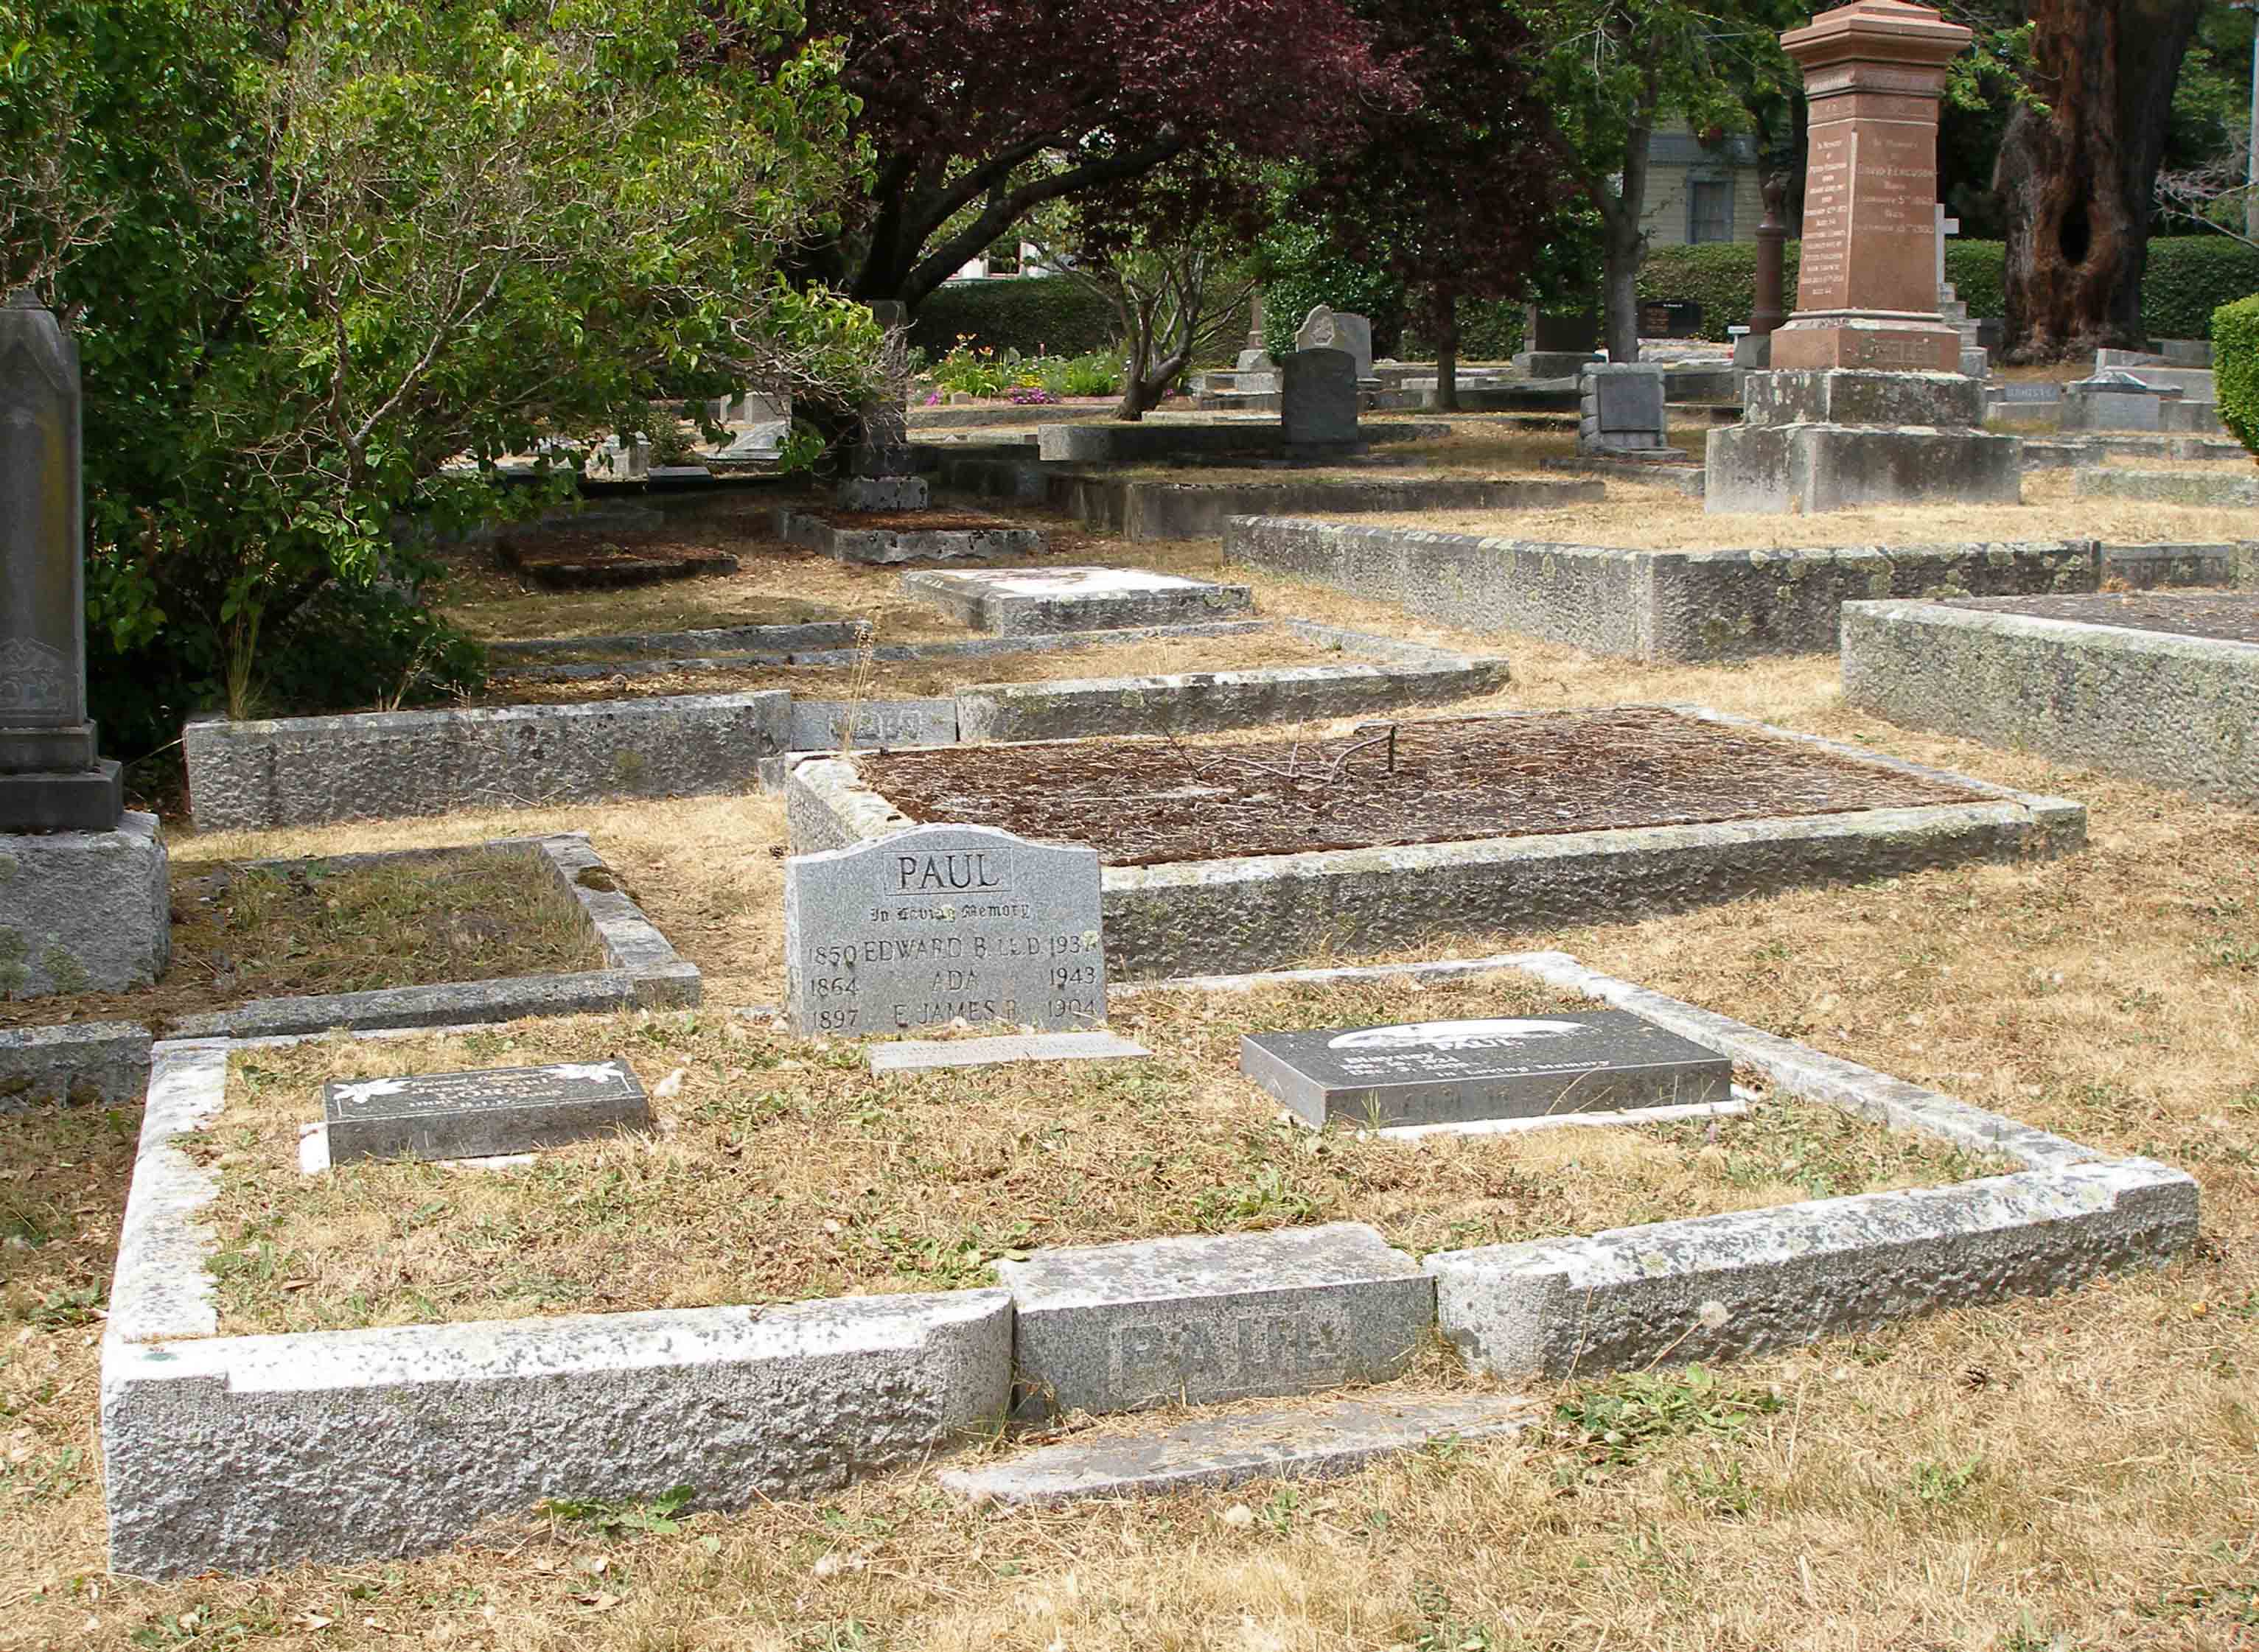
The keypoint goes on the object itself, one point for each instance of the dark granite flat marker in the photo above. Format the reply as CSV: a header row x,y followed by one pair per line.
x,y
482,1114
1457,1071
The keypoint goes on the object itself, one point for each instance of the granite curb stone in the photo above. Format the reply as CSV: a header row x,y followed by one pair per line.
x,y
84,912
1122,1327
85,1064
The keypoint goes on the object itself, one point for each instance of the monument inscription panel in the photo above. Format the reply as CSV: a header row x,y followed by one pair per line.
x,y
941,923
481,1114
1459,1071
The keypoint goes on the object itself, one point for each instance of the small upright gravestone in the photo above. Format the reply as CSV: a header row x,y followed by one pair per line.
x,y
1317,398
1621,409
2113,400
1325,329
944,923
84,886
884,474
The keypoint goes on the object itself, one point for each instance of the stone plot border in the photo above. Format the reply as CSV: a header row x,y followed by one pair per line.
x,y
314,770
1692,605
416,1435
83,1064
641,969
754,639
1209,916
2177,711
1143,509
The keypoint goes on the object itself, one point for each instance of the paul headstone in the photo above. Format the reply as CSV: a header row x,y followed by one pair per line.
x,y
943,923
1459,1071
1317,398
1325,329
482,1114
1620,409
85,885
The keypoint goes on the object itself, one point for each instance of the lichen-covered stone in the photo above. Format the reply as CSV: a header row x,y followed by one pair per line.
x,y
92,1062
85,912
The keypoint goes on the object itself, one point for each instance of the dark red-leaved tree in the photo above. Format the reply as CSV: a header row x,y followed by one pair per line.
x,y
1456,193
979,111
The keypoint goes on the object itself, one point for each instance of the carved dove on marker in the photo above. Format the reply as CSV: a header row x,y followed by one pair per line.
x,y
353,1094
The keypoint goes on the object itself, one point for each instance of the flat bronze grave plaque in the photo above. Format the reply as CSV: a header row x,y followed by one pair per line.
x,y
482,1114
1460,1072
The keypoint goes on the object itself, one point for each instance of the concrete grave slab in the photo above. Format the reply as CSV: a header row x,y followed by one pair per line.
x,y
481,1113
1122,1326
1023,601
1457,1071
944,923
933,1055
1306,1442
888,542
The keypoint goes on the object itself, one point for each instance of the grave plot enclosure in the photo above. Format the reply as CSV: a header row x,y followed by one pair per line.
x,y
1646,604
2158,686
1232,857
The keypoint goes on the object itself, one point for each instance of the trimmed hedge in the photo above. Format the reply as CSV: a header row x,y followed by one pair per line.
x,y
2235,368
1035,315
2188,278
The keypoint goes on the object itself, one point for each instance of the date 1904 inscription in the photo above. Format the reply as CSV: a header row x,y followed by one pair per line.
x,y
941,923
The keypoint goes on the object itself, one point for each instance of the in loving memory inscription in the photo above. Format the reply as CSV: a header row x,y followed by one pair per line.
x,y
943,923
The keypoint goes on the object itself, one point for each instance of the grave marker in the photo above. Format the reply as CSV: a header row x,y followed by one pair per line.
x,y
1457,1071
1317,398
941,923
481,1113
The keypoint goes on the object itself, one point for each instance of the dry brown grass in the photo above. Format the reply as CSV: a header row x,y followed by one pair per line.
x,y
1653,519
2077,1472
783,1169
903,679
290,932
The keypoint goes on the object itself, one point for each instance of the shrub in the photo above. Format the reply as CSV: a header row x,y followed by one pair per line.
x,y
1490,330
2190,278
2235,363
1036,314
1097,374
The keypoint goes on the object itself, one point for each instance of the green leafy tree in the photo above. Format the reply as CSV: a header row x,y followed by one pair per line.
x,y
1615,71
315,251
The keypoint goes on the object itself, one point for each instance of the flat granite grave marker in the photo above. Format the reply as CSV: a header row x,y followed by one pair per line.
x,y
941,923
1458,1072
1041,602
483,1113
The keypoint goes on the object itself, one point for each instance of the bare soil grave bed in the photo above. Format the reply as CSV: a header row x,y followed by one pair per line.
x,y
2225,616
315,928
783,1169
882,680
583,562
1148,803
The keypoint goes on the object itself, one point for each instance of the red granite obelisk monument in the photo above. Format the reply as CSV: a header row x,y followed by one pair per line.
x,y
1864,404
1866,291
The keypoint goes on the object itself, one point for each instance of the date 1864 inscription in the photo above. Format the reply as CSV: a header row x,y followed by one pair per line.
x,y
939,924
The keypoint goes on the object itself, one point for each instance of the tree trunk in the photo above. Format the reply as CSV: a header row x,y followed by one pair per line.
x,y
2075,179
1623,243
1445,311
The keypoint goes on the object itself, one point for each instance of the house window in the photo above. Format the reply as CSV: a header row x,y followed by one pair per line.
x,y
1709,211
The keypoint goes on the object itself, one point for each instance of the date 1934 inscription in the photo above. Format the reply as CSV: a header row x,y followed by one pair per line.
x,y
942,923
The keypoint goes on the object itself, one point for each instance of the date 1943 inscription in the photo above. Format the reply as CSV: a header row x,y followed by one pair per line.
x,y
968,922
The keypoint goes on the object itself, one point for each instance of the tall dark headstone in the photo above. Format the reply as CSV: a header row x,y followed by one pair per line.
x,y
50,778
884,472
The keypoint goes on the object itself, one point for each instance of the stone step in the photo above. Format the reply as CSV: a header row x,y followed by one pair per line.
x,y
1319,1440
1195,1321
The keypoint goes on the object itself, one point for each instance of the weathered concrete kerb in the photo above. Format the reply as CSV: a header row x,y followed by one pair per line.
x,y
1214,916
2174,710
245,1453
1646,604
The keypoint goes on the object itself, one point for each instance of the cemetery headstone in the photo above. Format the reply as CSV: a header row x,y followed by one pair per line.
x,y
1317,398
1324,329
1622,407
620,459
2113,400
1459,1071
85,885
943,923
483,1113
884,474
1255,355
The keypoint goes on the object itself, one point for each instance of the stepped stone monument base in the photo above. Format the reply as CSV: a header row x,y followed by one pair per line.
x,y
1847,440
84,912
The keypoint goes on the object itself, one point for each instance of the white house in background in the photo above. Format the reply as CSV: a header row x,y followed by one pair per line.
x,y
999,263
1701,192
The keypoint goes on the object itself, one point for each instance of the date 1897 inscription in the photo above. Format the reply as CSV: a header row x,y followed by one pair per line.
x,y
942,923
